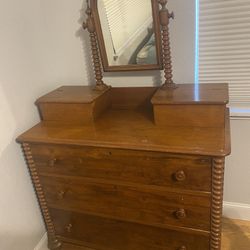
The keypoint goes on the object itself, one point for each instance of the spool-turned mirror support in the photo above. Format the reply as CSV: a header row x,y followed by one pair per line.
x,y
90,26
166,53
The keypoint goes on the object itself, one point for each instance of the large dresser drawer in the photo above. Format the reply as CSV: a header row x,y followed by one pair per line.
x,y
108,234
143,204
150,168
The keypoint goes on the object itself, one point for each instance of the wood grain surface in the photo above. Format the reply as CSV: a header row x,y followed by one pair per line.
x,y
140,167
235,236
132,130
141,204
192,94
104,234
71,94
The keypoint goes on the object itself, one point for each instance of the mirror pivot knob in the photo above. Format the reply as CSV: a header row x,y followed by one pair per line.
x,y
171,15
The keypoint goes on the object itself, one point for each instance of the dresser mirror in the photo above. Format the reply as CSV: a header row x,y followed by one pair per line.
x,y
128,34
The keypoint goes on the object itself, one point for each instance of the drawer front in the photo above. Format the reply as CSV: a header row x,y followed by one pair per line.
x,y
150,168
108,234
153,206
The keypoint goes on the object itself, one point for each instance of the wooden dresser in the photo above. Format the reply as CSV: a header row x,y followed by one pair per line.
x,y
130,168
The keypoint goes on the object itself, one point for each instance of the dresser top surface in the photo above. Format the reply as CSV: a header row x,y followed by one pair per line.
x,y
193,94
71,94
133,130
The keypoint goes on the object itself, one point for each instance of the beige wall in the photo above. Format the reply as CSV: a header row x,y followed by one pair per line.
x,y
237,173
40,49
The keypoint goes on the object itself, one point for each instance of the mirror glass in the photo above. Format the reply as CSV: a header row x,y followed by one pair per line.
x,y
128,32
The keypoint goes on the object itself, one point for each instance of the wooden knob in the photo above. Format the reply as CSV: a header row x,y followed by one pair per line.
x,y
52,162
61,195
180,175
84,25
171,15
163,2
180,213
182,248
69,228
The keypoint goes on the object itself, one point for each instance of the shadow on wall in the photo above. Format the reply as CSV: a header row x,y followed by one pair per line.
x,y
18,203
235,236
14,240
84,36
8,124
133,78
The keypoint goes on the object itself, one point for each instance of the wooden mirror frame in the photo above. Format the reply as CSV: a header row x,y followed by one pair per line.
x,y
130,67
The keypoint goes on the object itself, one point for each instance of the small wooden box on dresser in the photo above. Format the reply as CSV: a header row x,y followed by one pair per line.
x,y
130,168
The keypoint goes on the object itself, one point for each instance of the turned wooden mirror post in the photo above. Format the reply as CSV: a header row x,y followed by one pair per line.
x,y
166,52
90,26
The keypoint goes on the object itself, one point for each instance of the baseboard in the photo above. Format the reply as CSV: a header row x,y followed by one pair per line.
x,y
236,211
42,244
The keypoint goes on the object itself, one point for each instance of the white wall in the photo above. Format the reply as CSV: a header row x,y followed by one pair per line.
x,y
40,49
237,173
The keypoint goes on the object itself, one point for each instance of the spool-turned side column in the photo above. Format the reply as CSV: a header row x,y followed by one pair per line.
x,y
53,242
217,202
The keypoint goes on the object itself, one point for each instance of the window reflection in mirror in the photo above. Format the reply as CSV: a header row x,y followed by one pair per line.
x,y
128,33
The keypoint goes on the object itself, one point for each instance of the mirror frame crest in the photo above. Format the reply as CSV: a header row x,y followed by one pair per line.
x,y
102,48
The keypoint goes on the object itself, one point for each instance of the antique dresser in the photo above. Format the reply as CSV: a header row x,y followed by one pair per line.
x,y
132,168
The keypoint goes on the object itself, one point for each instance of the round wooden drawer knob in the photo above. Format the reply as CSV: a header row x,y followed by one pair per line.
x,y
182,248
61,195
52,162
180,213
171,15
69,228
180,175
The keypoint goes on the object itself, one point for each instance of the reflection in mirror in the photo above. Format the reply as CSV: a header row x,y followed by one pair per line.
x,y
128,32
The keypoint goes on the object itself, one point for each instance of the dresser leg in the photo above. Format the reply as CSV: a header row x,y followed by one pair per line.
x,y
53,242
217,202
